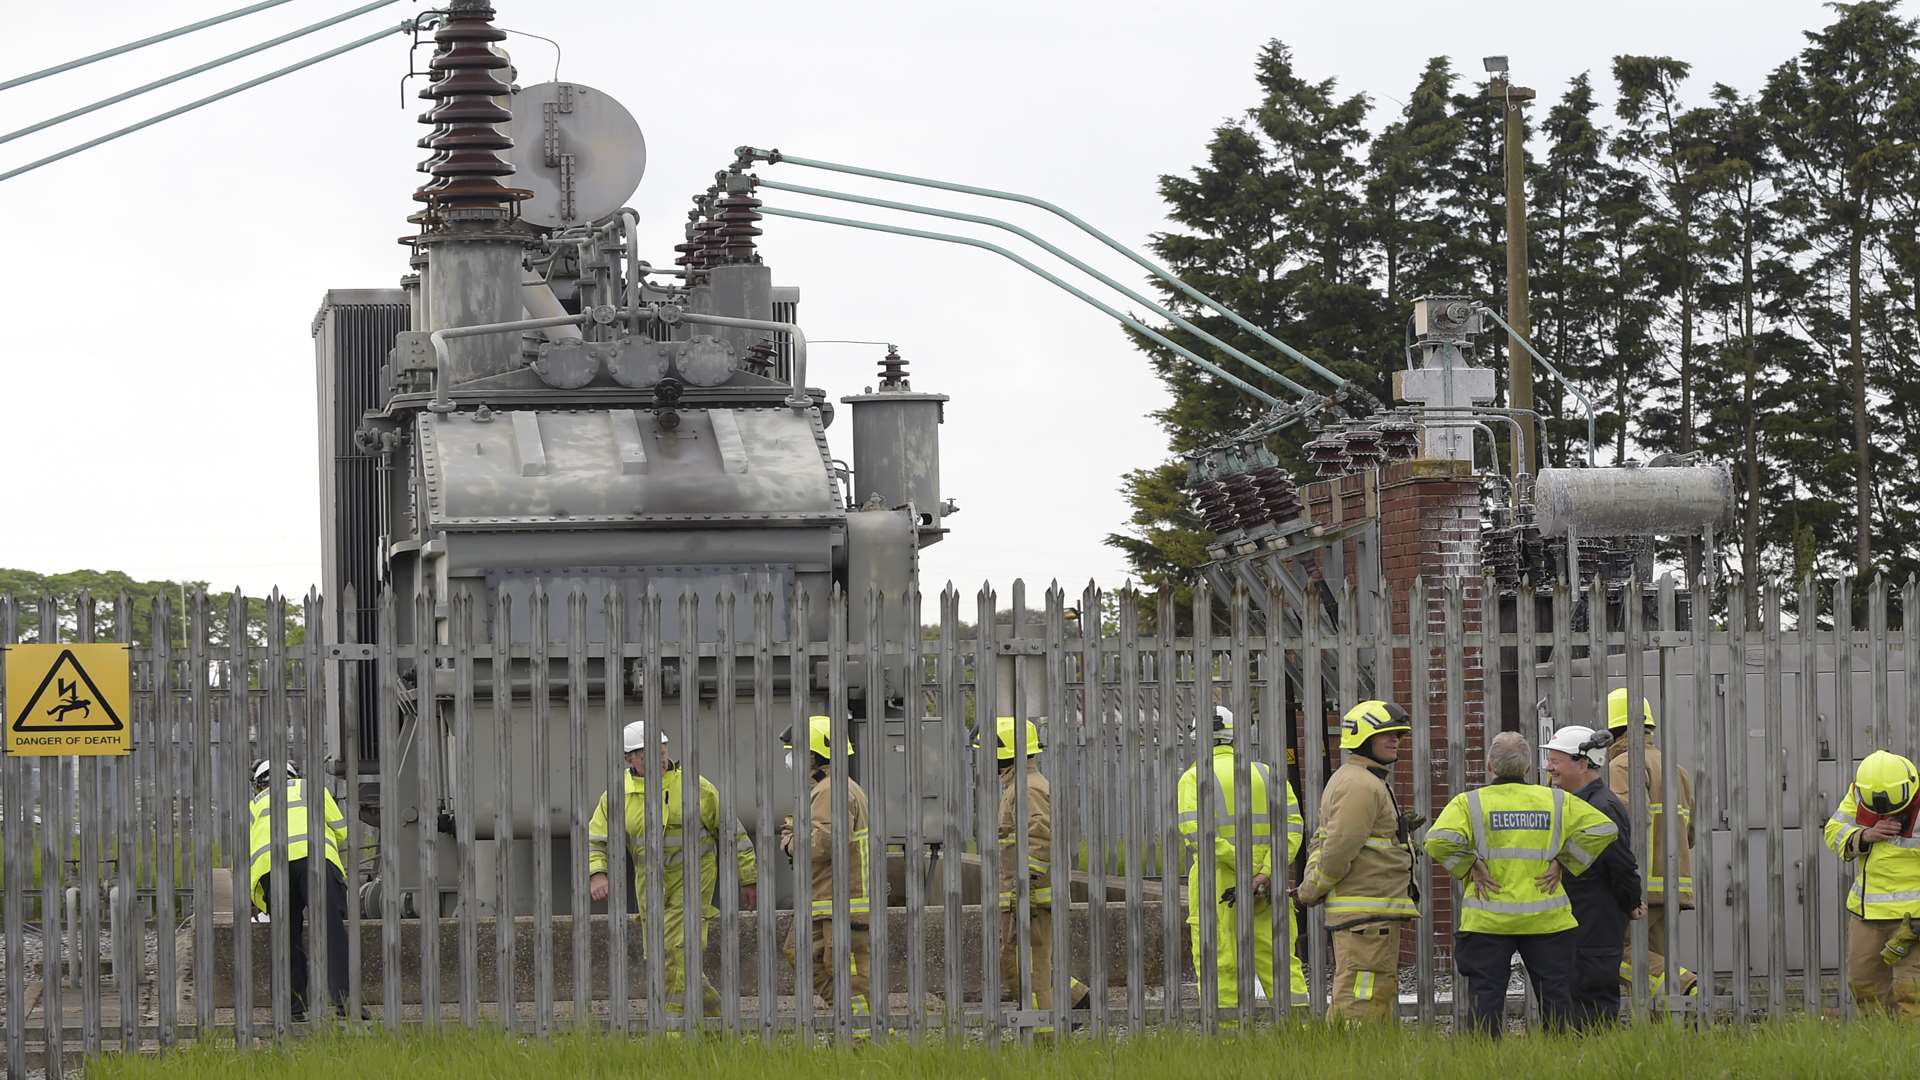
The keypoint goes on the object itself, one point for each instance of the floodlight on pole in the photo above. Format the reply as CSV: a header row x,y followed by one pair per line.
x,y
1495,65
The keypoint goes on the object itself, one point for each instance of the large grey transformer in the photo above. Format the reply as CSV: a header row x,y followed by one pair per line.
x,y
651,430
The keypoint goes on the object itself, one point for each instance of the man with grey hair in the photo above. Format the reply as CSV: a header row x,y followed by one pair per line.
x,y
1509,841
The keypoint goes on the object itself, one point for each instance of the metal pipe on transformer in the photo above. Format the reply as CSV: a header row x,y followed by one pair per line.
x,y
798,399
442,377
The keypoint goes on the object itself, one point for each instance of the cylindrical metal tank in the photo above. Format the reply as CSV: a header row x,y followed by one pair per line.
x,y
1676,501
744,291
896,451
472,280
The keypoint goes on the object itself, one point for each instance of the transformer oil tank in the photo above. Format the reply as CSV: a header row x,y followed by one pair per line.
x,y
1665,501
896,447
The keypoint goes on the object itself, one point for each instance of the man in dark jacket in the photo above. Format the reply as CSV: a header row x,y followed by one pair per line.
x,y
1607,896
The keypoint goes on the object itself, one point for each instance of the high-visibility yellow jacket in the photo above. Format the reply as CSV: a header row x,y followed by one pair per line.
x,y
673,862
1518,829
260,834
1658,805
1357,860
1886,876
820,845
1226,819
1039,838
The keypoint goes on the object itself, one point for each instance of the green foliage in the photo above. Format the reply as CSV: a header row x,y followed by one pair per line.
x,y
100,598
1736,273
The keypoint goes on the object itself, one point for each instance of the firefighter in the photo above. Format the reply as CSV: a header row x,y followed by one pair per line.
x,y
1606,897
1873,830
1225,856
300,903
667,774
1509,842
1658,804
1039,829
1360,864
821,845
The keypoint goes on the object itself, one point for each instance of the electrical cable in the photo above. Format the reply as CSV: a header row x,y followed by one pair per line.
x,y
404,27
141,44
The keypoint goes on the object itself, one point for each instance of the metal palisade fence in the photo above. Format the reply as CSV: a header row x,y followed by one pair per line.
x,y
467,746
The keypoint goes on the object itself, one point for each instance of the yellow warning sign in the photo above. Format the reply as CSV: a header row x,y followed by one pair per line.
x,y
68,699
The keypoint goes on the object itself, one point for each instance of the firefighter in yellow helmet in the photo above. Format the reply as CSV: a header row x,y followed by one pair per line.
x,y
1015,739
822,842
1660,802
673,850
1225,857
1509,841
1873,829
330,908
1360,864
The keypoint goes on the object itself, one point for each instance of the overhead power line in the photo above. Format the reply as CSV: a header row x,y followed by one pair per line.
x,y
141,44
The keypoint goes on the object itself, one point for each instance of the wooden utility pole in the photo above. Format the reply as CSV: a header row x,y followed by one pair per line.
x,y
1500,88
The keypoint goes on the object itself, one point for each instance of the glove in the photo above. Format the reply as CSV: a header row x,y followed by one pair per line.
x,y
1231,895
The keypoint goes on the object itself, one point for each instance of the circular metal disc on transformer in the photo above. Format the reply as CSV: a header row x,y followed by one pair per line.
x,y
577,149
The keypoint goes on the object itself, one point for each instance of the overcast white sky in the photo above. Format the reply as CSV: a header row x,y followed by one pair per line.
x,y
157,366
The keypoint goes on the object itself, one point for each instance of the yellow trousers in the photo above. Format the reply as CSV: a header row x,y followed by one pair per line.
x,y
1227,939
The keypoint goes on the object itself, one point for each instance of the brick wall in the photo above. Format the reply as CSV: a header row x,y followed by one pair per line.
x,y
1429,528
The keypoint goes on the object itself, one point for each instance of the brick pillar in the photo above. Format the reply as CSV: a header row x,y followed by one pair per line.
x,y
1429,514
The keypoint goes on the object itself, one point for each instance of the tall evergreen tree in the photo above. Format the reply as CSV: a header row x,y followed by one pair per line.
x,y
1272,226
1834,110
1570,262
1669,144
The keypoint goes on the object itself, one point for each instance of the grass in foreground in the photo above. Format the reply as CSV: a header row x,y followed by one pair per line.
x,y
1808,1048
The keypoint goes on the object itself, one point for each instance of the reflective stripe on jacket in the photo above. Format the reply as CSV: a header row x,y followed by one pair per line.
x,y
1039,837
820,848
1356,860
672,840
1886,881
1517,829
1226,819
260,834
1618,771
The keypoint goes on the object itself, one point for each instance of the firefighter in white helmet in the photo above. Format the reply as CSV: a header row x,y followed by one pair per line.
x,y
666,773
1264,802
331,907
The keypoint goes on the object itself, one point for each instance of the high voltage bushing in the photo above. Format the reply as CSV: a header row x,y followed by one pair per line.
x,y
1328,453
1363,448
738,214
468,118
1399,439
1215,507
1280,500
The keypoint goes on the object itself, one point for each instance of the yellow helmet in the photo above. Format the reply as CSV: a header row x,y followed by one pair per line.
x,y
1004,738
1885,783
1617,710
819,737
1370,718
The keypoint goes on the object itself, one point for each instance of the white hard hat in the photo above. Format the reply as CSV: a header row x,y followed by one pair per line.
x,y
1576,740
1222,726
634,736
263,771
